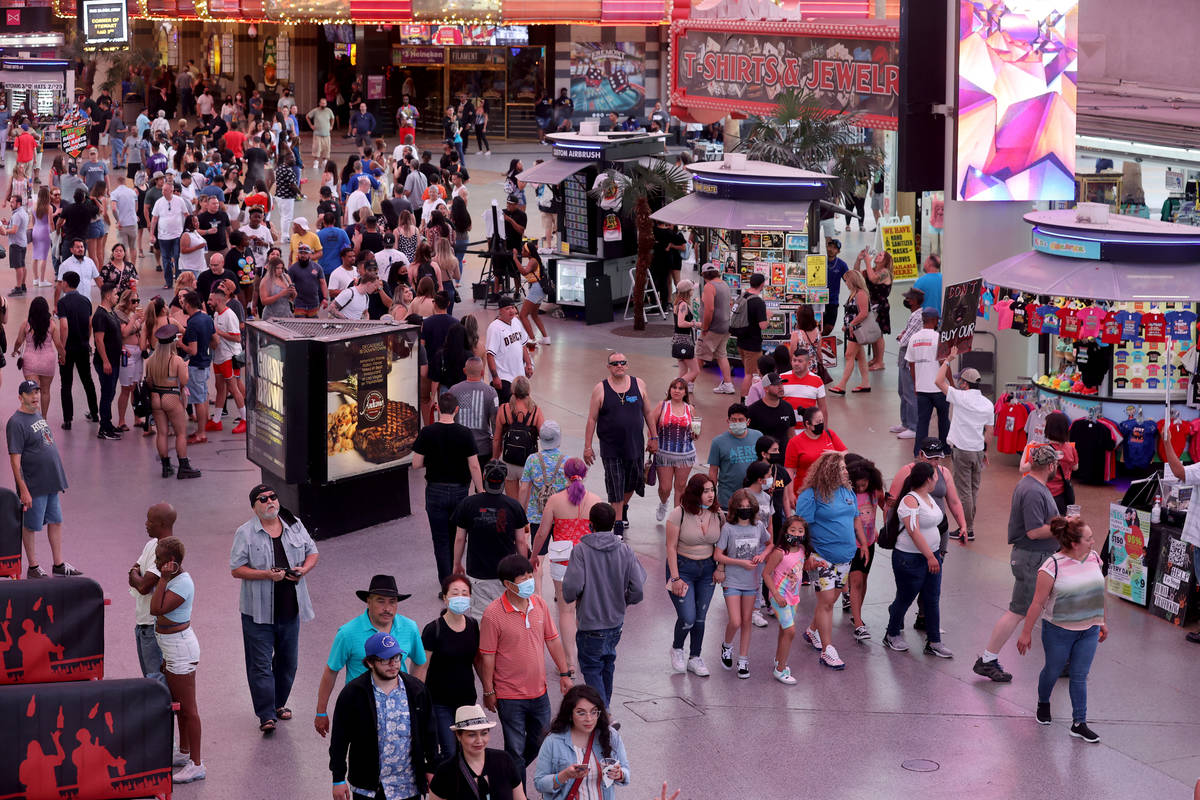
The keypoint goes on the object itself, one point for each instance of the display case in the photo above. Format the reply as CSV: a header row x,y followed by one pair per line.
x,y
333,414
568,281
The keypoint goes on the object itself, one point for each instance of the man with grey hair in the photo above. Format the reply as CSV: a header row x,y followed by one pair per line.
x,y
477,406
361,198
1029,534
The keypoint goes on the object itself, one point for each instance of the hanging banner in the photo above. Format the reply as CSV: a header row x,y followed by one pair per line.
x,y
899,243
744,66
1128,533
51,631
957,326
93,740
608,77
270,54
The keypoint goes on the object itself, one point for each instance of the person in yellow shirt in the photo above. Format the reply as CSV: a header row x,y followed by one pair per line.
x,y
302,234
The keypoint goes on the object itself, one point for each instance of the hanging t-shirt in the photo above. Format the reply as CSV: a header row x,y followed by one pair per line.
x,y
1004,314
1179,433
1131,325
1010,427
1093,441
1019,321
1137,382
1179,325
1035,425
1094,361
1049,318
1121,370
1154,327
1153,356
1110,329
1033,319
1194,445
1090,321
1121,383
1141,439
1068,323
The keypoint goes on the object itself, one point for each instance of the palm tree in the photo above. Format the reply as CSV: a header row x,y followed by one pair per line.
x,y
805,134
638,184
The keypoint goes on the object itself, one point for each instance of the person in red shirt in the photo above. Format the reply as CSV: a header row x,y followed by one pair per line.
x,y
235,140
807,446
26,145
801,387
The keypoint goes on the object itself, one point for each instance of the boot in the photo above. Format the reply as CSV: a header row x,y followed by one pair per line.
x,y
186,471
167,469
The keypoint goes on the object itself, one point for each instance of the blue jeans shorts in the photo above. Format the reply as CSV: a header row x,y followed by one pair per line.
x,y
44,510
740,592
197,385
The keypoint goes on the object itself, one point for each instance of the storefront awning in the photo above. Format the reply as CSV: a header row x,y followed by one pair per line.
x,y
697,211
1041,273
553,170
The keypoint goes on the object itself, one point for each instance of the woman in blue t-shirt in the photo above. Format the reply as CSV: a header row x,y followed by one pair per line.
x,y
827,503
171,604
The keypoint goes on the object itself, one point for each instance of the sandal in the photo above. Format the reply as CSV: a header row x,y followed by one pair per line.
x,y
860,389
267,727
835,390
123,428
194,439
284,713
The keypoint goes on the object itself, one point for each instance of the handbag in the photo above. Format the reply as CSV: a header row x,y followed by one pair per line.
x,y
683,346
867,331
1068,492
651,472
574,793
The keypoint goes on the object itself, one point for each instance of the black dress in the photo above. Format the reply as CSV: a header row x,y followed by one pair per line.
x,y
878,294
450,781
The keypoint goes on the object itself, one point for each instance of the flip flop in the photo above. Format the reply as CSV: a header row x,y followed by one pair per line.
x,y
194,439
267,727
833,390
284,713
861,389
123,429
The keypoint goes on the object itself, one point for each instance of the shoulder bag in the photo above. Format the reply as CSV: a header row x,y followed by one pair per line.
x,y
867,331
575,787
683,345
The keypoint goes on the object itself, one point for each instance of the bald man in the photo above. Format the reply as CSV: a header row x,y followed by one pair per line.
x,y
143,577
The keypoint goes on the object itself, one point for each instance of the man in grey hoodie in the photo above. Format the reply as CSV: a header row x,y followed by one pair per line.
x,y
603,578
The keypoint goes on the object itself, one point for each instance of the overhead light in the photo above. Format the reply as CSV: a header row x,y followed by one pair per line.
x,y
252,31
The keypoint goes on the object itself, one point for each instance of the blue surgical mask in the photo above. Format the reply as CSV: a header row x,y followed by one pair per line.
x,y
459,604
526,588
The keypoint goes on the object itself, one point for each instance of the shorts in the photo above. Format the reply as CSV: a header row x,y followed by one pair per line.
x,y
829,576
558,570
180,651
534,293
43,510
877,202
785,615
1025,565
672,460
96,229
621,477
711,346
197,387
305,312
543,123
224,370
16,256
739,592
131,364
514,472
858,565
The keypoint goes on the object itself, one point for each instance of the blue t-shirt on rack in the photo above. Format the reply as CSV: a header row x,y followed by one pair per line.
x,y
1141,439
1049,318
1131,325
1179,325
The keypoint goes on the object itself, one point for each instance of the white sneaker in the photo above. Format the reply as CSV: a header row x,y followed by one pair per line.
x,y
190,772
544,340
695,665
906,434
179,759
660,515
678,660
829,657
813,638
896,643
896,429
784,676
724,388
758,619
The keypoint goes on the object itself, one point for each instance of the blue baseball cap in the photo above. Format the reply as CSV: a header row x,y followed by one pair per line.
x,y
383,645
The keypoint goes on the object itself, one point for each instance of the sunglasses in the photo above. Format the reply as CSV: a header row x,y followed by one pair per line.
x,y
135,300
266,497
617,363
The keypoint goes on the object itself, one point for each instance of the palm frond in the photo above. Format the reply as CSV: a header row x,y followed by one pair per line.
x,y
637,181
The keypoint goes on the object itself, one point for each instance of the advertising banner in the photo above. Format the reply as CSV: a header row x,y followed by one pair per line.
x,y
816,269
1017,64
372,417
1174,589
104,24
959,306
73,135
10,534
94,740
898,242
1128,532
265,429
608,77
462,9
745,66
51,630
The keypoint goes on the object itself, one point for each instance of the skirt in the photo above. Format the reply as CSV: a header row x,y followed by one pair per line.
x,y
664,459
131,364
181,651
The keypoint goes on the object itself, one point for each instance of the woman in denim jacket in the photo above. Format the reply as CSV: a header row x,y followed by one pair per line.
x,y
562,760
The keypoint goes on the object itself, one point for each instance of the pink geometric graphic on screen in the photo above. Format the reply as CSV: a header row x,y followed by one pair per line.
x,y
1017,99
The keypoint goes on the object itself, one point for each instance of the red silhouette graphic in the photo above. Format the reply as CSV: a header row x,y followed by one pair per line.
x,y
36,772
36,649
92,764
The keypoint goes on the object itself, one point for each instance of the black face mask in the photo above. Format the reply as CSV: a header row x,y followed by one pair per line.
x,y
818,428
746,513
792,541
775,458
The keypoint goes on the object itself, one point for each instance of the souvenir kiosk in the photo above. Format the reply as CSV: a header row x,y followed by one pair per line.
x,y
333,414
752,216
591,267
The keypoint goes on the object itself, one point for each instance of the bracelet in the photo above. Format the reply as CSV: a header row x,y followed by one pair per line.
x,y
489,694
654,438
339,783
322,714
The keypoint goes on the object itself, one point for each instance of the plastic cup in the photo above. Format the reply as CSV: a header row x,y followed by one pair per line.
x,y
1074,510
610,767
696,421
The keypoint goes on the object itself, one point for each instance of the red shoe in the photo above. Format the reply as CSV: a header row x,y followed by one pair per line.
x,y
194,438
240,427
213,426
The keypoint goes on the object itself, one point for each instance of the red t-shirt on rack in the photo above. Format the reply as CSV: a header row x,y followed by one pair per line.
x,y
1033,319
1068,323
1154,327
1010,427
1110,329
1179,438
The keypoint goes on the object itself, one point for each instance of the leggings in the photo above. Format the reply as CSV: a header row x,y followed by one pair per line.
x,y
481,138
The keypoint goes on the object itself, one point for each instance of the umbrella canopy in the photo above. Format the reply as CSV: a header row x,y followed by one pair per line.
x,y
698,211
1041,273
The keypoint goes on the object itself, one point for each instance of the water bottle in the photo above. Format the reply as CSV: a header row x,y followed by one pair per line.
x,y
1156,512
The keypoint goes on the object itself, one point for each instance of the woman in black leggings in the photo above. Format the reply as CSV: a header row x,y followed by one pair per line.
x,y
481,120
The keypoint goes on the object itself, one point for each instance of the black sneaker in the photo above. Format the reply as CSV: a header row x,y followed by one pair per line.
x,y
1080,730
90,417
726,656
66,426
919,623
1043,713
991,669
36,572
845,602
65,570
958,536
112,435
1193,637
970,536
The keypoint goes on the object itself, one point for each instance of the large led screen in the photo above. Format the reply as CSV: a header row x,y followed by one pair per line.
x,y
1017,62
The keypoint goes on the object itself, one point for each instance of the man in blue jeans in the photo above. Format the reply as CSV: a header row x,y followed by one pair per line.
x,y
166,225
143,577
923,365
271,555
603,578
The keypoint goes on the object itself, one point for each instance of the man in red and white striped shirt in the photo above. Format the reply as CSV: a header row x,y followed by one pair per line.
x,y
802,388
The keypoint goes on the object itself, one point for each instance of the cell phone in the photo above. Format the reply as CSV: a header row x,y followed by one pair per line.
x,y
291,573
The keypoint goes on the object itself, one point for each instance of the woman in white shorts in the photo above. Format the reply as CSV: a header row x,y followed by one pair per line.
x,y
132,320
529,264
171,604
565,521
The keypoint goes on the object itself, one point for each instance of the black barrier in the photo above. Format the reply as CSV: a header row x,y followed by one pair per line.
x,y
10,534
86,741
51,630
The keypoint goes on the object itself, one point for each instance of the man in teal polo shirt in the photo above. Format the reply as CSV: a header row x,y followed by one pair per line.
x,y
349,645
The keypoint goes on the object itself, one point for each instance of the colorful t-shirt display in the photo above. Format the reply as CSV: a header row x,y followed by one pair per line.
x,y
1110,330
1179,325
1090,321
1049,318
1131,325
1154,327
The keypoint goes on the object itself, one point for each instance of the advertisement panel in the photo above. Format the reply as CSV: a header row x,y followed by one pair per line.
x,y
608,77
51,631
745,66
455,9
957,326
266,427
1017,64
371,404
104,24
1128,532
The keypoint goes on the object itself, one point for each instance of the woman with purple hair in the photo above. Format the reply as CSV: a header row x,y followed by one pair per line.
x,y
565,521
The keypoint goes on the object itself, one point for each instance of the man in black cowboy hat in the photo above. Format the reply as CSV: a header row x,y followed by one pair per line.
x,y
348,650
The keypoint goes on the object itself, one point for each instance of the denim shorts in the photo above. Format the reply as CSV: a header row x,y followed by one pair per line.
x,y
739,592
44,510
197,387
534,293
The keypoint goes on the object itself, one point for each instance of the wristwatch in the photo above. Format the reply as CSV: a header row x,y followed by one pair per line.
x,y
568,674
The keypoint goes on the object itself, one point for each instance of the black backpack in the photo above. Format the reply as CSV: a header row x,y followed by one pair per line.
x,y
520,438
890,531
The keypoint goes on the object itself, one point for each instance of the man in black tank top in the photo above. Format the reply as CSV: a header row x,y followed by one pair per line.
x,y
618,406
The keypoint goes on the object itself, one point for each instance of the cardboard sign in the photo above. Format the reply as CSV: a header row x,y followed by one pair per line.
x,y
74,139
815,268
51,630
898,242
93,740
1173,593
957,327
